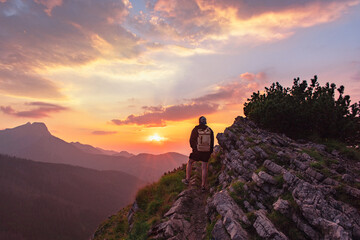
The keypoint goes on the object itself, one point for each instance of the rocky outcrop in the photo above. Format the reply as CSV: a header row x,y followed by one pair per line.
x,y
232,215
265,228
274,166
186,219
267,186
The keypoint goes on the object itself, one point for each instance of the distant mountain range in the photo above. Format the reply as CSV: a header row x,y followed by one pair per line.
x,y
34,141
96,150
41,201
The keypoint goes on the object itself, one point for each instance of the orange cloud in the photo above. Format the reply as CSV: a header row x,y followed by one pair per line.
x,y
42,110
200,20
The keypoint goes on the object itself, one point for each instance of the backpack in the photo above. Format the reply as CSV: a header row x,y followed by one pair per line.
x,y
204,140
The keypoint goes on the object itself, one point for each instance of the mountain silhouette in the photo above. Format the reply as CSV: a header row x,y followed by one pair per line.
x,y
96,150
57,201
35,142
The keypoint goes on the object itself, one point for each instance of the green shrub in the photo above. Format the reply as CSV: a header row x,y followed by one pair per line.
x,y
305,110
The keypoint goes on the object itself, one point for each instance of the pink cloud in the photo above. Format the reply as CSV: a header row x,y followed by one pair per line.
x,y
237,90
232,92
41,110
69,33
153,108
200,20
23,83
171,113
103,132
49,4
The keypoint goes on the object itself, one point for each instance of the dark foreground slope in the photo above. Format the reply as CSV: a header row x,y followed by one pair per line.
x,y
57,201
262,185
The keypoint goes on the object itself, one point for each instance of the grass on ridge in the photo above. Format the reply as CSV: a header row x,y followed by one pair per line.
x,y
153,200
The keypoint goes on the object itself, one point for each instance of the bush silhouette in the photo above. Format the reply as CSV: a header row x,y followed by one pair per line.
x,y
305,111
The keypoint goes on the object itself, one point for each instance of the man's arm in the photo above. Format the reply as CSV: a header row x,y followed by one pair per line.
x,y
212,141
193,139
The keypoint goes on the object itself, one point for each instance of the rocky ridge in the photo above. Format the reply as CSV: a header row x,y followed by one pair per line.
x,y
264,185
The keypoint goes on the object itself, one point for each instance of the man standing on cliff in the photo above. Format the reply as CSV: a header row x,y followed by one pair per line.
x,y
202,144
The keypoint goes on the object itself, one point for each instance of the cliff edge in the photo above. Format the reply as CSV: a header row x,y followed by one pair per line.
x,y
262,185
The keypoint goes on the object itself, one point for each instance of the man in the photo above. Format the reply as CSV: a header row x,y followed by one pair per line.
x,y
202,144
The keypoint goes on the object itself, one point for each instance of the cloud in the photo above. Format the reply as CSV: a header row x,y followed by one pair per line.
x,y
236,90
21,83
196,21
49,4
38,35
103,132
41,110
233,91
159,117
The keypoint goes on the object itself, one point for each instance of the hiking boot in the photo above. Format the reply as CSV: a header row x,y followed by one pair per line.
x,y
185,181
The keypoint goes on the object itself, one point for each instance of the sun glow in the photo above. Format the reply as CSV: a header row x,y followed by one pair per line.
x,y
156,138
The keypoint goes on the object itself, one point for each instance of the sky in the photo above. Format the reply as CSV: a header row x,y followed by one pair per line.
x,y
137,75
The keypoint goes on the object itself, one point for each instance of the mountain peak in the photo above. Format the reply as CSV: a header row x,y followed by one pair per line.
x,y
35,128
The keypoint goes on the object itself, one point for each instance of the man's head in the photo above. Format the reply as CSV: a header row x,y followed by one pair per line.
x,y
202,120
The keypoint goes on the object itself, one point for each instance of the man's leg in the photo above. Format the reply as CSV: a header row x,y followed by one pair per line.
x,y
188,169
204,166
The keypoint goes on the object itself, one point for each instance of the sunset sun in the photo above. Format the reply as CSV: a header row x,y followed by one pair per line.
x,y
156,138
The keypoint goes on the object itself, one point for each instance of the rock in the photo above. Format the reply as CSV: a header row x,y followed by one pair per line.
x,y
188,208
234,228
231,213
249,154
305,157
291,179
273,167
226,206
257,179
282,206
261,152
353,191
267,177
300,165
347,178
330,181
222,178
219,233
314,174
335,153
306,228
248,206
333,231
130,217
265,228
